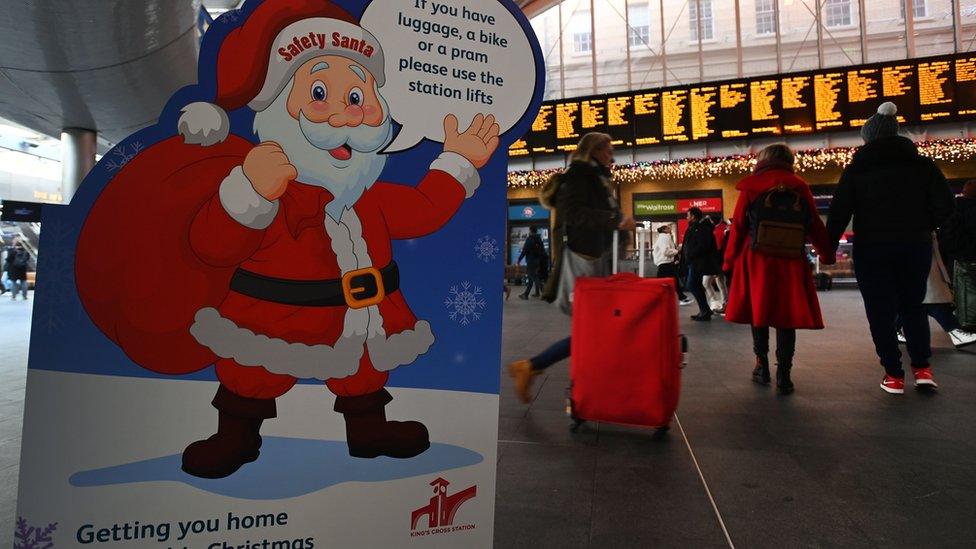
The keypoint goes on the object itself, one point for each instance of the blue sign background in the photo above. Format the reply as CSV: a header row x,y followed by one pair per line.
x,y
518,213
463,358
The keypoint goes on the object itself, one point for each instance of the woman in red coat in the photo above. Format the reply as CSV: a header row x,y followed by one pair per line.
x,y
769,291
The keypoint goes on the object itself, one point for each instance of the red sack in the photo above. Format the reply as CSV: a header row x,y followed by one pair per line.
x,y
137,276
626,350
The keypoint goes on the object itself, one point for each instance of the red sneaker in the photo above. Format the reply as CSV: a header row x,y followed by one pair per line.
x,y
923,378
893,385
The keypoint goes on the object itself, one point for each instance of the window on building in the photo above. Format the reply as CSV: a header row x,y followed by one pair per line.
x,y
582,32
640,25
920,8
837,13
707,30
765,17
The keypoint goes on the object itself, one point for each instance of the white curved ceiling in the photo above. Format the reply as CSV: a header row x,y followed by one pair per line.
x,y
108,65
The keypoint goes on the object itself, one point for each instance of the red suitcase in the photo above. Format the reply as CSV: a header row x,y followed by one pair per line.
x,y
627,351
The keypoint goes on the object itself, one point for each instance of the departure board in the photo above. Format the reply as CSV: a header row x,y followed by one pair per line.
x,y
620,120
647,119
765,117
593,115
863,91
735,114
796,102
966,86
542,137
704,105
567,125
935,89
675,116
899,84
828,97
519,148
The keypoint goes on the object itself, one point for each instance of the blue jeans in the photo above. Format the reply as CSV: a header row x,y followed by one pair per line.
x,y
556,352
697,289
19,286
893,280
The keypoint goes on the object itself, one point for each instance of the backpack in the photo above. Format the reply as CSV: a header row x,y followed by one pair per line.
x,y
779,221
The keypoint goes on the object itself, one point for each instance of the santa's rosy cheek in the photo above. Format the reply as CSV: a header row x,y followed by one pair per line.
x,y
372,114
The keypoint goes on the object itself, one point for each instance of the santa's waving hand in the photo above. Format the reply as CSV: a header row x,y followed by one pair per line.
x,y
285,247
477,143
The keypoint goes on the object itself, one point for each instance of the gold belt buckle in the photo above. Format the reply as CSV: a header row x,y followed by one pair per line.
x,y
353,288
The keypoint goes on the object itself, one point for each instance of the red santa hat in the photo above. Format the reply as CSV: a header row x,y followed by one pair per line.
x,y
258,59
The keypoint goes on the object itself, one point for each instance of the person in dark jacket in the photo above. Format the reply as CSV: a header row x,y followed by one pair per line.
x,y
534,253
897,198
958,235
701,255
587,214
959,240
16,265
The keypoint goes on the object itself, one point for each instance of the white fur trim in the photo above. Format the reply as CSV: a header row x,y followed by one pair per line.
x,y
228,340
460,168
243,203
352,253
292,41
888,109
203,124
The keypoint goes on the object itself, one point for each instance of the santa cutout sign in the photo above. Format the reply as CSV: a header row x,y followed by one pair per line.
x,y
273,319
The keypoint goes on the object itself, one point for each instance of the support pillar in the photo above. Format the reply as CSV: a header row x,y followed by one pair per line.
x,y
78,148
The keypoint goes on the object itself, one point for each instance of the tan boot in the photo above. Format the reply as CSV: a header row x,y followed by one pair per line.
x,y
523,373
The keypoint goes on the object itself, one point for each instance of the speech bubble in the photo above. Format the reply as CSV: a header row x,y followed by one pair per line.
x,y
460,57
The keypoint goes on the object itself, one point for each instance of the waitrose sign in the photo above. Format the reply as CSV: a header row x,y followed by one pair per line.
x,y
671,207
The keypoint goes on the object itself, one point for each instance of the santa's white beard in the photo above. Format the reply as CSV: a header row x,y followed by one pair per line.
x,y
307,144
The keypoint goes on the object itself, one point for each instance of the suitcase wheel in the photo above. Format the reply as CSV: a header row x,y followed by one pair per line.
x,y
661,432
574,427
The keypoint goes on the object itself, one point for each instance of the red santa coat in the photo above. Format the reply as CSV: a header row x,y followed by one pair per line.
x,y
207,225
772,291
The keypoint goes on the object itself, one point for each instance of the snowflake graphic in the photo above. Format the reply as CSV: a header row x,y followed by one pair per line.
x,y
487,249
466,303
232,15
122,154
32,537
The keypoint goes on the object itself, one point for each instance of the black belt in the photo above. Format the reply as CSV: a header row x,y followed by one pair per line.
x,y
356,289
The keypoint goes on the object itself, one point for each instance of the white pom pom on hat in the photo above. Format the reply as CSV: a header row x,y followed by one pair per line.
x,y
203,124
888,109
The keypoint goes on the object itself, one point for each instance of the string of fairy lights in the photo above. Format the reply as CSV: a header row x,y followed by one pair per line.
x,y
949,151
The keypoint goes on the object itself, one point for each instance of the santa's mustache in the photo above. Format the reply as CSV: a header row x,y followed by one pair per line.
x,y
361,138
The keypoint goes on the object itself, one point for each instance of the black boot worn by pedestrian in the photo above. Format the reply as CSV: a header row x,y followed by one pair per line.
x,y
760,374
237,440
370,435
784,385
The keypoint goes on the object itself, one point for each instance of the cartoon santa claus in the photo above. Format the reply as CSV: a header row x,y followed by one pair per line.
x,y
273,261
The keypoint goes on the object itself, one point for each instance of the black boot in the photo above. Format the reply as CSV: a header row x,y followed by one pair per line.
x,y
760,374
784,385
238,437
369,434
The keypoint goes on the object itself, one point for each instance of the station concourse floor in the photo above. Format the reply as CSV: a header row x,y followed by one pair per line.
x,y
837,464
